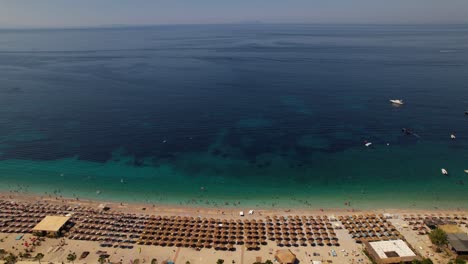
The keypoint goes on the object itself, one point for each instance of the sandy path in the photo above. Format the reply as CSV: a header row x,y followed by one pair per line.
x,y
176,255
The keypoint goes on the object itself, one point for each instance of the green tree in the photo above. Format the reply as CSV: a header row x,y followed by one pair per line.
x,y
102,259
220,261
457,261
11,259
424,261
71,257
38,257
438,237
268,262
187,262
154,261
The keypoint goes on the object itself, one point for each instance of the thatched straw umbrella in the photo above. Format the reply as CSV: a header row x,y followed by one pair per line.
x,y
199,244
207,245
217,246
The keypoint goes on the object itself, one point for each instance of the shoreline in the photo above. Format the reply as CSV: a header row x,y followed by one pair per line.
x,y
166,209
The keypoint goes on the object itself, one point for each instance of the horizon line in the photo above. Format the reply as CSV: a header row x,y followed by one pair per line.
x,y
116,26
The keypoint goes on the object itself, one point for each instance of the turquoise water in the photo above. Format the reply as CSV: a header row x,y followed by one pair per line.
x,y
240,115
400,178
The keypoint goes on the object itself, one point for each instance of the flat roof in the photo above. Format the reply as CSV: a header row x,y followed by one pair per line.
x,y
387,249
459,241
285,256
51,223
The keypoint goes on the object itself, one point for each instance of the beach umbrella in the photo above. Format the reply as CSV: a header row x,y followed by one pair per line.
x,y
230,247
207,245
199,244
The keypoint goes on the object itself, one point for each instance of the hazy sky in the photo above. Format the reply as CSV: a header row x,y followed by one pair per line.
x,y
65,13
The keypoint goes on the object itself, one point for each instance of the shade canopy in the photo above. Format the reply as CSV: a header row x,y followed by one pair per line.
x,y
285,256
51,223
459,242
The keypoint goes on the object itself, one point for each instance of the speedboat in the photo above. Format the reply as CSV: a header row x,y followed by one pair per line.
x,y
396,101
466,171
407,131
368,144
444,171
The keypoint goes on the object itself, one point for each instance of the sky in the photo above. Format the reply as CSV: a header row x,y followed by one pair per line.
x,y
72,13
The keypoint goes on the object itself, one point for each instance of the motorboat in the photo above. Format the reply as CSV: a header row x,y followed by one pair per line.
x,y
444,171
407,131
452,136
368,144
466,171
396,101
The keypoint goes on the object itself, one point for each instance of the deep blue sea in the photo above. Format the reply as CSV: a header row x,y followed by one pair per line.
x,y
237,115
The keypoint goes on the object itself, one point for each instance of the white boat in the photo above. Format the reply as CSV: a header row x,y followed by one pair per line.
x,y
452,136
396,101
368,144
444,171
466,171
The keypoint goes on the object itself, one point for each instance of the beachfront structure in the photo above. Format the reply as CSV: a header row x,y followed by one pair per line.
x,y
392,251
459,243
285,256
51,225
